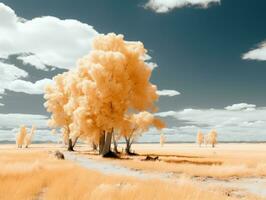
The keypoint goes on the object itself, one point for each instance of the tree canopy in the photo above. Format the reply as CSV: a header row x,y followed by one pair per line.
x,y
108,86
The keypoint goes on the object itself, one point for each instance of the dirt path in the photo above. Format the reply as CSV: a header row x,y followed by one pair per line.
x,y
238,187
108,168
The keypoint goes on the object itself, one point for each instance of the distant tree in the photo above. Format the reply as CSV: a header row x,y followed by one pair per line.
x,y
200,138
21,136
24,138
212,137
29,136
162,139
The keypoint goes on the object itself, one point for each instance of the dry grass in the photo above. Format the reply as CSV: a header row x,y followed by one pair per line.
x,y
225,161
33,174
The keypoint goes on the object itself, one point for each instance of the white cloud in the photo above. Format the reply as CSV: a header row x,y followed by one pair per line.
x,y
34,61
147,58
29,87
256,54
170,93
232,125
10,79
190,127
8,74
166,114
15,120
54,41
152,65
46,40
241,106
164,6
1,104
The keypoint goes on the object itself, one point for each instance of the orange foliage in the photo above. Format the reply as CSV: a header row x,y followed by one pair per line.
x,y
98,94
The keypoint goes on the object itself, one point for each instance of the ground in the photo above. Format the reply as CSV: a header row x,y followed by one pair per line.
x,y
183,171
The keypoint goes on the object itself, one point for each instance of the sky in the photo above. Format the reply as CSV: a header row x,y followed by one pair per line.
x,y
208,58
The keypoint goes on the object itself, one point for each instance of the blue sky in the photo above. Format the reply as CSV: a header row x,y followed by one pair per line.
x,y
212,52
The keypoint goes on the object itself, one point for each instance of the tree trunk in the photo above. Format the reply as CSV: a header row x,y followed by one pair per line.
x,y
94,146
128,146
70,146
101,143
75,142
115,144
107,144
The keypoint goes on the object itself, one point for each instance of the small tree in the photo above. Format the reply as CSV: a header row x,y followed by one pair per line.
x,y
200,138
136,124
29,136
162,139
212,137
21,136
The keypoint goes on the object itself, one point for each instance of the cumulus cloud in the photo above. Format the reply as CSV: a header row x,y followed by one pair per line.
x,y
256,54
233,124
34,61
41,41
1,104
164,6
11,121
11,79
241,106
29,87
166,114
9,73
54,41
170,93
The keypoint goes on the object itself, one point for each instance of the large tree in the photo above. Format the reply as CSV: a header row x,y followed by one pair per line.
x,y
107,84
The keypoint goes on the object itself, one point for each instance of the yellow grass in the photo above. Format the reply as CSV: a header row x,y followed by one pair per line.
x,y
34,174
224,161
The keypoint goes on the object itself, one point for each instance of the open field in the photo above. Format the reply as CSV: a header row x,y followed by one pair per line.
x,y
192,173
224,161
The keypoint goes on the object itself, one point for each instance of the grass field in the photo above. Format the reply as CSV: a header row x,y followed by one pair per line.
x,y
34,173
224,161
